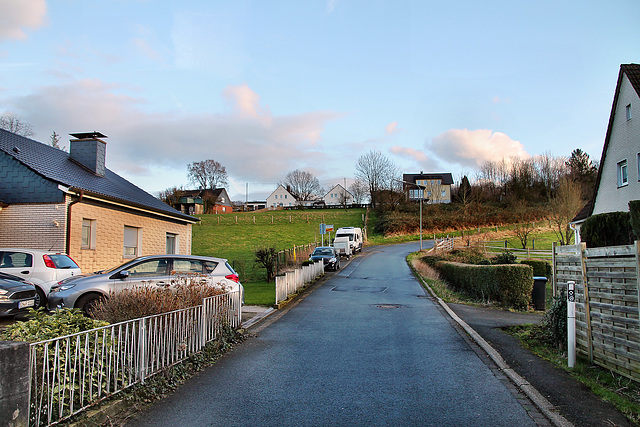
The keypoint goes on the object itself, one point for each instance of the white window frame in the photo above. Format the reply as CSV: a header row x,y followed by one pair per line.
x,y
88,234
638,165
623,173
176,243
132,241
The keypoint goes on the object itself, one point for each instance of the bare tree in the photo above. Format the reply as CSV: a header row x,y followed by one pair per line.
x,y
207,174
170,195
378,172
359,191
303,185
564,207
13,123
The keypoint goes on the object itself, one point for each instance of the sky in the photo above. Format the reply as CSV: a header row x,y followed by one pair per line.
x,y
267,87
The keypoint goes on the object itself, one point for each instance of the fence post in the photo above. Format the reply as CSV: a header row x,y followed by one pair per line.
x,y
554,286
637,251
142,344
14,383
587,308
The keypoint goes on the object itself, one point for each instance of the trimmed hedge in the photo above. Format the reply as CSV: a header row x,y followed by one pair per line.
x,y
540,268
634,217
509,285
607,229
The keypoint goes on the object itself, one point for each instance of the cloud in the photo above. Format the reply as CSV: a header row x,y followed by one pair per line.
x,y
472,148
392,128
251,142
17,15
331,6
420,157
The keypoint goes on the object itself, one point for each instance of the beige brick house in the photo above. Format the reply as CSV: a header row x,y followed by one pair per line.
x,y
70,202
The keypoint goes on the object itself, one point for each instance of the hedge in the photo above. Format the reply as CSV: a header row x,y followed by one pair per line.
x,y
509,285
540,267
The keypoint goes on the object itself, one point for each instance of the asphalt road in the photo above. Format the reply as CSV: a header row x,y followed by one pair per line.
x,y
365,348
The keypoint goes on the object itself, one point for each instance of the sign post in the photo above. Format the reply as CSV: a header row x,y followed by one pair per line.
x,y
571,323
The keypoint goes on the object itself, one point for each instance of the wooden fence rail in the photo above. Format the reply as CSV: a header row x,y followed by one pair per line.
x,y
607,303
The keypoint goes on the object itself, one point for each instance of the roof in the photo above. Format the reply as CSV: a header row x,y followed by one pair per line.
x,y
343,189
446,177
632,71
56,165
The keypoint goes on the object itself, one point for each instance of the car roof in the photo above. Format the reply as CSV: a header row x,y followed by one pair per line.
x,y
34,251
180,256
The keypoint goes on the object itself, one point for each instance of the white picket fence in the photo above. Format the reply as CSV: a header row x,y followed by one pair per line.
x,y
71,373
292,281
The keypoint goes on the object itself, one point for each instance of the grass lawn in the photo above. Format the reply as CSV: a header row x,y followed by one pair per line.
x,y
236,237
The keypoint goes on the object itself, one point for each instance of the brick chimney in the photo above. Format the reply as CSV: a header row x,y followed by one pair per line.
x,y
89,151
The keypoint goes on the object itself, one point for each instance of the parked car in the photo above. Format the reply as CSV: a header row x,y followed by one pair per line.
x,y
41,268
328,255
16,295
153,270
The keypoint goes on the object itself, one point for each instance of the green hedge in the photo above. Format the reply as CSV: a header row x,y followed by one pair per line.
x,y
540,267
509,285
607,229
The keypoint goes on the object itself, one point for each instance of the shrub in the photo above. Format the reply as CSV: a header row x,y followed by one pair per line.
x,y
43,326
144,301
267,257
634,217
555,320
509,285
507,257
607,229
540,267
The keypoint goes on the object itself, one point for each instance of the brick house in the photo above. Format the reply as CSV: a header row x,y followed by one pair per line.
x,y
70,202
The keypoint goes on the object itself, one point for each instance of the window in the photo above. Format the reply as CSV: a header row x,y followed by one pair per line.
x,y
186,266
628,112
132,237
622,173
638,164
443,193
150,268
16,260
88,239
172,243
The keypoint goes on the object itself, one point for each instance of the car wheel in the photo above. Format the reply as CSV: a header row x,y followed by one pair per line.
x,y
87,303
41,299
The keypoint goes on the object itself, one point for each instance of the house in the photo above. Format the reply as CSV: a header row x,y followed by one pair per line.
x,y
198,202
436,187
618,180
70,202
338,195
281,197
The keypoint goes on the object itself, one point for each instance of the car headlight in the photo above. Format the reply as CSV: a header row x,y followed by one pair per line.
x,y
3,291
59,287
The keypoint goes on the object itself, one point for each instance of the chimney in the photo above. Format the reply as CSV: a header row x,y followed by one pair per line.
x,y
89,151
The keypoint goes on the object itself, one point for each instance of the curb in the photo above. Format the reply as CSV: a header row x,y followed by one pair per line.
x,y
534,395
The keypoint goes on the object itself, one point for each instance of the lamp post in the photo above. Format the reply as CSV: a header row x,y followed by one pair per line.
x,y
421,199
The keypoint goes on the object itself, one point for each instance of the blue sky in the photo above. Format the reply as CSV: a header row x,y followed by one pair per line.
x,y
266,87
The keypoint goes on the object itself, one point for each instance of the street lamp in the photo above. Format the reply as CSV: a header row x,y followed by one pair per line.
x,y
421,199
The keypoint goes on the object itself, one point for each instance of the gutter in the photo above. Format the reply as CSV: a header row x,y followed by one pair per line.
x,y
69,206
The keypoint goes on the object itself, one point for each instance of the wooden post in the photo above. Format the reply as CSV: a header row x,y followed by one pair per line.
x,y
587,309
554,285
271,219
236,219
637,251
218,220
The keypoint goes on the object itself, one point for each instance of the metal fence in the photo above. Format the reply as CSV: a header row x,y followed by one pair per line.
x,y
71,373
292,281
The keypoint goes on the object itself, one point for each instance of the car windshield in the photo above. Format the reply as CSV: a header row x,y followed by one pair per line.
x,y
323,251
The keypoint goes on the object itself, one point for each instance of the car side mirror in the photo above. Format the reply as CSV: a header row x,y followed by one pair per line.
x,y
123,274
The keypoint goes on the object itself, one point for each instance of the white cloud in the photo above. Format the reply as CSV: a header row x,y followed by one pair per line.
x,y
331,6
18,15
392,128
472,148
419,157
250,142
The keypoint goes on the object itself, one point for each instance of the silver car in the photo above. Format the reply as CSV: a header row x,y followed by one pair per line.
x,y
150,271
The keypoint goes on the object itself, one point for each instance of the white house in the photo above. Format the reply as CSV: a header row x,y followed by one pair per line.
x,y
618,179
280,198
338,195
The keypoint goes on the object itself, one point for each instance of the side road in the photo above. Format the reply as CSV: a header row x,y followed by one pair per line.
x,y
564,400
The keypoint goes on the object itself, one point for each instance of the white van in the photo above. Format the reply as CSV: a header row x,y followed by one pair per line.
x,y
355,237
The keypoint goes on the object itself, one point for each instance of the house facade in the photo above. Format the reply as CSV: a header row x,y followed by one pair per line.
x,y
436,187
280,198
618,180
198,202
70,202
338,195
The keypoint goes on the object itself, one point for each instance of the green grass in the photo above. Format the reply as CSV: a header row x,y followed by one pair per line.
x,y
236,237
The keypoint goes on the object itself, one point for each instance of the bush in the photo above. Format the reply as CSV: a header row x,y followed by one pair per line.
x,y
507,257
607,229
540,268
555,320
634,217
144,301
509,285
43,326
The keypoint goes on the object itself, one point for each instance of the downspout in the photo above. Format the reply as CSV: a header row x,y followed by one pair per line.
x,y
68,244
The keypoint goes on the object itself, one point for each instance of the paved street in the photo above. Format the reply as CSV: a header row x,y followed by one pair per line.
x,y
365,348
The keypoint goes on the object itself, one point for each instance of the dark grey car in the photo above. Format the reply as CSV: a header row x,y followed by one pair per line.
x,y
16,295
